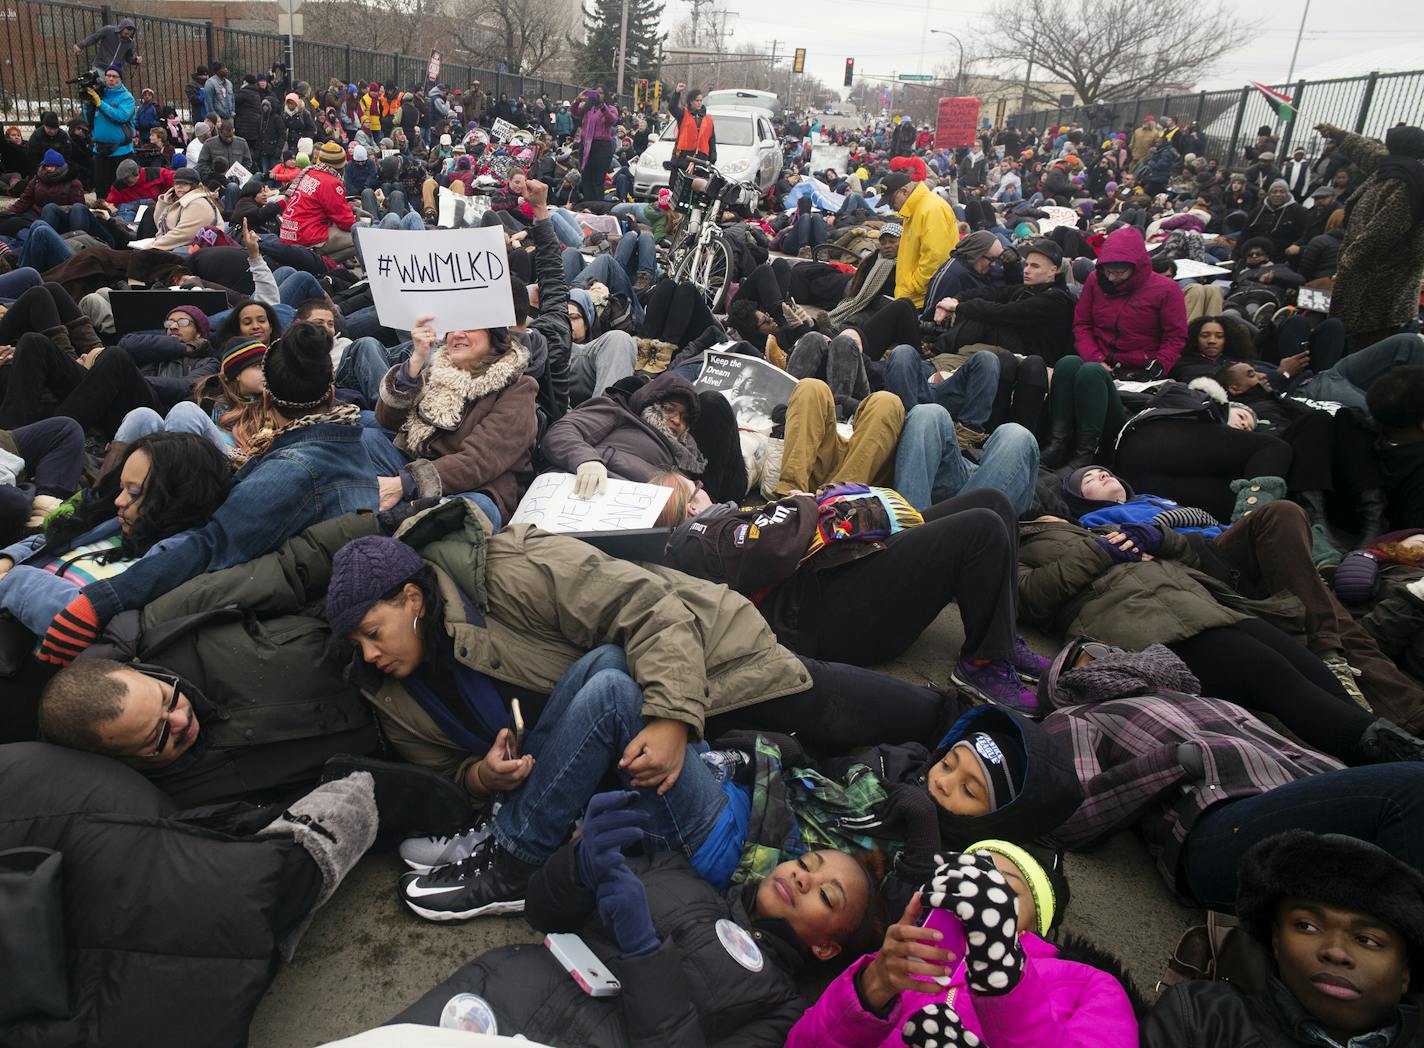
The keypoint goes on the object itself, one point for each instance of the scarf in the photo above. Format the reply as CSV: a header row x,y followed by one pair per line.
x,y
339,414
869,291
1122,674
685,453
1411,173
447,393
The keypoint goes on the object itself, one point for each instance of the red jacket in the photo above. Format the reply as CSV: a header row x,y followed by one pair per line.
x,y
1143,318
317,203
144,189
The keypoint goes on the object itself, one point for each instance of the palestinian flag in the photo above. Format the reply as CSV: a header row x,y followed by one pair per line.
x,y
1282,104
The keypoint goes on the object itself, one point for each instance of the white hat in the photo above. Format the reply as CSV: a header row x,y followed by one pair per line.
x,y
359,154
445,140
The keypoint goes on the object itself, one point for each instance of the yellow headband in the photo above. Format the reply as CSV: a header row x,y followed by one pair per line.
x,y
1039,886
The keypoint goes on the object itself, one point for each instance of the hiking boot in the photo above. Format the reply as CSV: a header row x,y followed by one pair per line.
x,y
489,881
642,281
1346,675
1028,664
968,438
423,854
997,682
1383,743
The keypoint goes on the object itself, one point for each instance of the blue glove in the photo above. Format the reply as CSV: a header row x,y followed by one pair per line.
x,y
1117,553
623,908
609,826
1146,537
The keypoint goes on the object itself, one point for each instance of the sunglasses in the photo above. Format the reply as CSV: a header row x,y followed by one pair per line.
x,y
166,730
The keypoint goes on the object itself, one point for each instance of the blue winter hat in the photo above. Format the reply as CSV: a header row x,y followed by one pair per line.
x,y
179,160
584,301
52,158
362,572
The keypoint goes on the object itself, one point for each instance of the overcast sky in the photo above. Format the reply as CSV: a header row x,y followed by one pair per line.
x,y
887,36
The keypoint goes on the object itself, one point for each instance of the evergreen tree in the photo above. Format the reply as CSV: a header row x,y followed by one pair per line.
x,y
598,55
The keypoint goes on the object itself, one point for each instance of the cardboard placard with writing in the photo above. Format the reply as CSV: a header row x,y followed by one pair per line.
x,y
458,276
955,122
622,506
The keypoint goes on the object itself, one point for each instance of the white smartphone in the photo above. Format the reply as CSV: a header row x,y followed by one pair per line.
x,y
579,961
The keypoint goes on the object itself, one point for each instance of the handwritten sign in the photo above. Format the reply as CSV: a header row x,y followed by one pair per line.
x,y
624,506
458,276
432,71
501,130
955,122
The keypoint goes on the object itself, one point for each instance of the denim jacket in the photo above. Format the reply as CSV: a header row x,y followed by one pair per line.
x,y
309,475
33,595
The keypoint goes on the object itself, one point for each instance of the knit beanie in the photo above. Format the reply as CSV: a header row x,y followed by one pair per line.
x,y
664,199
52,158
330,154
128,168
305,146
1405,141
362,572
1001,759
199,318
180,160
1049,891
975,246
1279,183
241,354
359,154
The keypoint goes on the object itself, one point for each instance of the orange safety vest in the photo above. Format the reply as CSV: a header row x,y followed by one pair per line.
x,y
693,137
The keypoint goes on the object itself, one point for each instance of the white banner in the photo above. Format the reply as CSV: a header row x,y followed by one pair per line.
x,y
236,172
624,506
458,276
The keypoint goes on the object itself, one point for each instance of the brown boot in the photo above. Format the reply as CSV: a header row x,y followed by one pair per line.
x,y
113,455
82,335
59,335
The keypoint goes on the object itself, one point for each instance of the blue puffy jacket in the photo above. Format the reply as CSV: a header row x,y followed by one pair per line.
x,y
113,122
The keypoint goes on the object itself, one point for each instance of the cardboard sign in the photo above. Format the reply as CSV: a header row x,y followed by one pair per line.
x,y
955,122
237,172
502,129
753,387
459,276
623,506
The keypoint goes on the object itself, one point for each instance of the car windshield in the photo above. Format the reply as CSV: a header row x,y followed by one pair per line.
x,y
732,130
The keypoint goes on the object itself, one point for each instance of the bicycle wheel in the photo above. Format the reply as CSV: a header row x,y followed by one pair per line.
x,y
708,264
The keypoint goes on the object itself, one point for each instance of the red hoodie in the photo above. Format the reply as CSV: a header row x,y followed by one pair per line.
x,y
1143,318
317,202
144,189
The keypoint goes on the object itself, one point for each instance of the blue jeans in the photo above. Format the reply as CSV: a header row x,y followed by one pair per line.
x,y
569,231
594,712
363,365
295,286
16,282
1348,380
622,183
853,202
409,220
968,394
486,505
361,322
71,219
640,248
1379,803
929,467
384,455
44,248
183,417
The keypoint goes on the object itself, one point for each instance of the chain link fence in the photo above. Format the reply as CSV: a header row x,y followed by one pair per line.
x,y
38,37
1369,105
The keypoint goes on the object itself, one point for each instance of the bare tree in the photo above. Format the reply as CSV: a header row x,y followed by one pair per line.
x,y
1114,49
402,26
528,34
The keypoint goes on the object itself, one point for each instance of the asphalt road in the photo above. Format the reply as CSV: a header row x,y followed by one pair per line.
x,y
366,957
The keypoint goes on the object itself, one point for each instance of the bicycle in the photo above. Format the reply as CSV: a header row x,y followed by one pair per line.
x,y
701,253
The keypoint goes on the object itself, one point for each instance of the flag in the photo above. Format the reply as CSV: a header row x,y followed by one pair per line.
x,y
1283,105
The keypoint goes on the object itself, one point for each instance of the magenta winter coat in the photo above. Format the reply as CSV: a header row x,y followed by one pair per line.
x,y
1057,1004
1144,318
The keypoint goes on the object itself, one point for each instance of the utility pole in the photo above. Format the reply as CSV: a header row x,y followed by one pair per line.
x,y
622,47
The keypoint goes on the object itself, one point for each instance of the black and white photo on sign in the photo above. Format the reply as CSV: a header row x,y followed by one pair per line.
x,y
753,387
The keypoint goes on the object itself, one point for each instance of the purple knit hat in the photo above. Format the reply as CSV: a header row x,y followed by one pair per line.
x,y
362,572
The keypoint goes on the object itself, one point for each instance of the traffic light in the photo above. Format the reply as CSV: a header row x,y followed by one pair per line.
x,y
850,71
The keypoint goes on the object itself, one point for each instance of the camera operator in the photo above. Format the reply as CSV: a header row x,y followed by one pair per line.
x,y
115,45
112,119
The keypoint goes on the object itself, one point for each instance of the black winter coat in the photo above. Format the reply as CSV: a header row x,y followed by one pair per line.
x,y
152,898
1033,320
1201,1014
688,992
247,112
552,320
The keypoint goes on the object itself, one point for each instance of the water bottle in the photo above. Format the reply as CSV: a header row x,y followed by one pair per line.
x,y
724,764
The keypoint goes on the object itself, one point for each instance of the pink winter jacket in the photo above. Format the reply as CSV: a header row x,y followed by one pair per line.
x,y
1057,1004
1144,318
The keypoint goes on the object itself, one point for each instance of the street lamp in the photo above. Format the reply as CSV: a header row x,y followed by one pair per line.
x,y
959,77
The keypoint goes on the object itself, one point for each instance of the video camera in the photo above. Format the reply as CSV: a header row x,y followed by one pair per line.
x,y
89,80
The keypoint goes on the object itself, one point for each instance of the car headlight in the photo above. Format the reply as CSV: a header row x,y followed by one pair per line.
x,y
736,167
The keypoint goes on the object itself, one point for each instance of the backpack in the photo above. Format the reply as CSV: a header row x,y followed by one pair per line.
x,y
1221,950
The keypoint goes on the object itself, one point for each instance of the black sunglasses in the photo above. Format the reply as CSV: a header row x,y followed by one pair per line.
x,y
168,707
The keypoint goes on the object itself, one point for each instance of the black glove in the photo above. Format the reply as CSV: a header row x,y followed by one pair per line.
x,y
975,891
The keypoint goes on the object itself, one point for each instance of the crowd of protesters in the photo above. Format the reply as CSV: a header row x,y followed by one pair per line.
x,y
266,601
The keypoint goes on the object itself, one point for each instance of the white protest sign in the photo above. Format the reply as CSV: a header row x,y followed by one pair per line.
x,y
1187,267
502,129
623,506
238,172
458,276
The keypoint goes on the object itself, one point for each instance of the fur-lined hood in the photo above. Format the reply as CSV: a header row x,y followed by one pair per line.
x,y
447,391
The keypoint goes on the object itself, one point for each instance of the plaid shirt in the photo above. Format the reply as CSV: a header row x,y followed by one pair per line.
x,y
1125,756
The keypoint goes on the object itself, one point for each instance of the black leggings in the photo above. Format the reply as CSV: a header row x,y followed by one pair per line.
x,y
1023,390
1255,665
769,285
848,707
966,552
40,308
676,313
1194,463
98,399
895,324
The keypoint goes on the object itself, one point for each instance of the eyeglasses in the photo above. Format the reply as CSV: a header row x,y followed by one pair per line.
x,y
165,730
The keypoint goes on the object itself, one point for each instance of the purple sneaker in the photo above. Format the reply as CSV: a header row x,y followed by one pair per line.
x,y
1028,664
996,682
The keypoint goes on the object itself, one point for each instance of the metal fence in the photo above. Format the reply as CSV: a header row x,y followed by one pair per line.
x,y
1367,105
38,36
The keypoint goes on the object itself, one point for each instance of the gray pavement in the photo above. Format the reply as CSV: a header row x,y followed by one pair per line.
x,y
366,957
